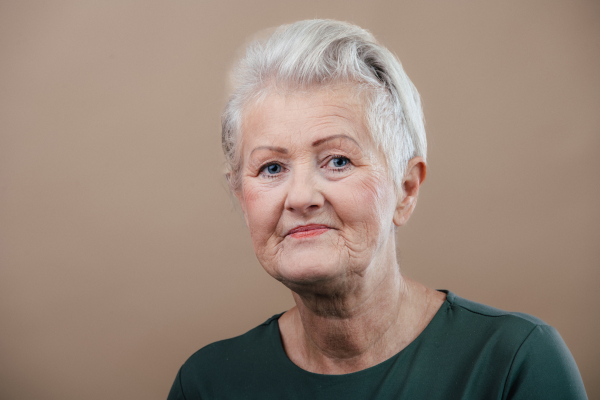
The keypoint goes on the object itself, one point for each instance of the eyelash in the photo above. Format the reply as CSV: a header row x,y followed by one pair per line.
x,y
341,169
346,167
262,170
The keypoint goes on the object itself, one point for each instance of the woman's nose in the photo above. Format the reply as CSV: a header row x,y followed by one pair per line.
x,y
303,195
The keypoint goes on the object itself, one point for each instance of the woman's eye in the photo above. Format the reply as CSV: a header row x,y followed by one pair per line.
x,y
338,162
272,169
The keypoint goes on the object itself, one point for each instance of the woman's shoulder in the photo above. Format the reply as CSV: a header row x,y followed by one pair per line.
x,y
259,341
475,324
529,354
227,364
470,311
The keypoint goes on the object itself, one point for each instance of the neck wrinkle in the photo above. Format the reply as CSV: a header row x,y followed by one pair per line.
x,y
351,340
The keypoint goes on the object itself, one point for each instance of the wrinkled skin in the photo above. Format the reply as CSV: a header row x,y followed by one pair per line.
x,y
357,201
308,162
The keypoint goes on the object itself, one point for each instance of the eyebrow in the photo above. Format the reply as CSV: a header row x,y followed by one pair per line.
x,y
333,137
316,143
272,148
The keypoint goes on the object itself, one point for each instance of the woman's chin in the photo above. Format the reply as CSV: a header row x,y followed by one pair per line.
x,y
314,277
309,266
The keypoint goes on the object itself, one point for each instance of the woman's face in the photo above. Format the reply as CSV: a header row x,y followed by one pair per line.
x,y
315,191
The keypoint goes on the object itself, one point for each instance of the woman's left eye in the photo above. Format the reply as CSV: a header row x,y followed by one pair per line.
x,y
338,162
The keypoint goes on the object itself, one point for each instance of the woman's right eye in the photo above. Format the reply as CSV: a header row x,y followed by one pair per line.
x,y
272,169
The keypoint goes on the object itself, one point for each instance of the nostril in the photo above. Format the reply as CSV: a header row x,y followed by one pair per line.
x,y
307,200
303,193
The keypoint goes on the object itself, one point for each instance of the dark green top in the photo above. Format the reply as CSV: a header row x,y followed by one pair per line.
x,y
468,351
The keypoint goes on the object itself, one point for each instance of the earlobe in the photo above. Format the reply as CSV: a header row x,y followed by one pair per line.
x,y
404,210
415,175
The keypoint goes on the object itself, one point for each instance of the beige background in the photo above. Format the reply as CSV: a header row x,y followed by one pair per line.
x,y
121,252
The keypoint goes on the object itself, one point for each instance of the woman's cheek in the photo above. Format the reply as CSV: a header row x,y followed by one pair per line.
x,y
260,206
366,201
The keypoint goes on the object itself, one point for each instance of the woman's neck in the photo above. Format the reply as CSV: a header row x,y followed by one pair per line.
x,y
341,334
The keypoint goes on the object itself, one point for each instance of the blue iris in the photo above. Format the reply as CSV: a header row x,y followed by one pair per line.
x,y
273,168
339,162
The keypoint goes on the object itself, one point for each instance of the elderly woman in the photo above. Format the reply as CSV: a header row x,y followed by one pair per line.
x,y
326,147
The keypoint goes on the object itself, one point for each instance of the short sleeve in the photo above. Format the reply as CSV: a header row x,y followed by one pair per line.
x,y
176,392
543,368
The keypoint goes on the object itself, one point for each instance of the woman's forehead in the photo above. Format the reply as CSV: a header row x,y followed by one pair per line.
x,y
289,116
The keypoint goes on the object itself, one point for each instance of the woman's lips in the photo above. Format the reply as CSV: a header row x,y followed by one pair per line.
x,y
305,231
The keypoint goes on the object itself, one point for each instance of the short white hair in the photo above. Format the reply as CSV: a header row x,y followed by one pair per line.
x,y
320,53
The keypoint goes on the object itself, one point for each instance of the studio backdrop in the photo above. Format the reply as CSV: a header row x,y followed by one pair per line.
x,y
122,251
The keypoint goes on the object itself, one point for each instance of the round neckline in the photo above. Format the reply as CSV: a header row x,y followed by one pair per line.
x,y
290,364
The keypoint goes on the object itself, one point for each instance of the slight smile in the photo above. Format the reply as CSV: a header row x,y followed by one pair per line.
x,y
306,231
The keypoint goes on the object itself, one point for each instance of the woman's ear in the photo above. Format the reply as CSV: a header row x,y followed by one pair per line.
x,y
413,178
